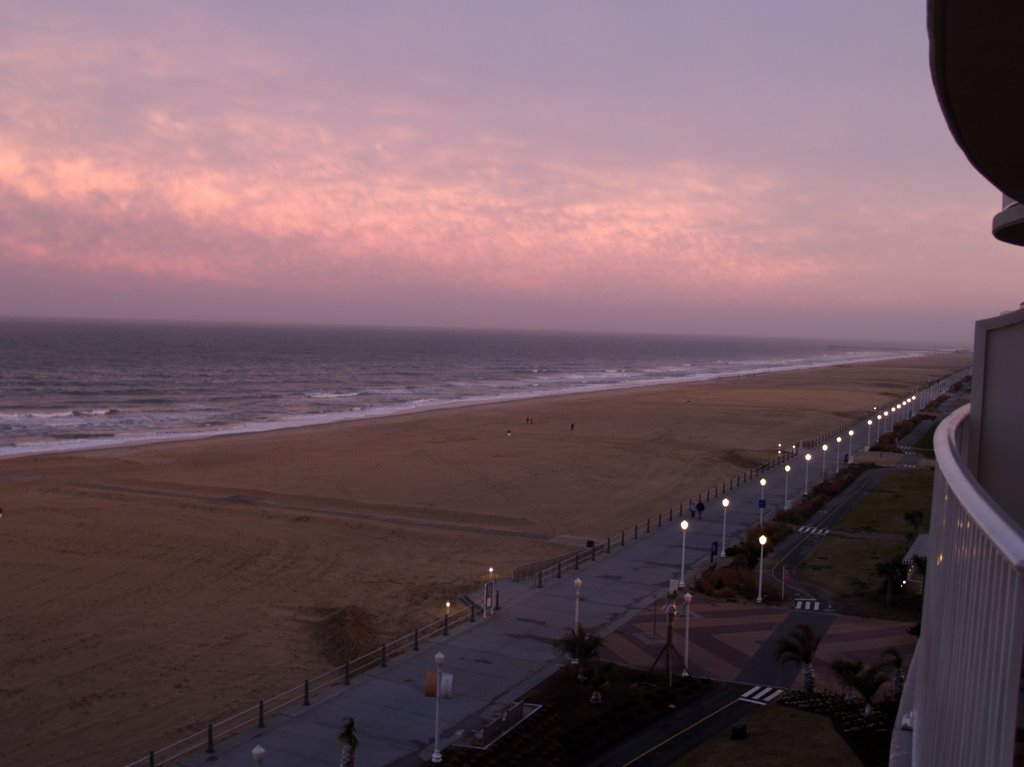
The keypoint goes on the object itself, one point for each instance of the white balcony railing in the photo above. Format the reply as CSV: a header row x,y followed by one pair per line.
x,y
964,679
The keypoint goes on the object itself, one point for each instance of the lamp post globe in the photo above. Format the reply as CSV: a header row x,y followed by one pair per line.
x,y
725,515
763,539
807,472
258,753
760,505
684,526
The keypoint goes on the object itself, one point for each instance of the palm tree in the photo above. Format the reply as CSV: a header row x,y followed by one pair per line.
x,y
893,659
581,645
847,670
867,683
799,647
892,573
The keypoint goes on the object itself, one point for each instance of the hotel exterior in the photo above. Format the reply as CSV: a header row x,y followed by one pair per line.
x,y
961,705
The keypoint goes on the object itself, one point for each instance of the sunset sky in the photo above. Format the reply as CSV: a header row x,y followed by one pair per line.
x,y
676,167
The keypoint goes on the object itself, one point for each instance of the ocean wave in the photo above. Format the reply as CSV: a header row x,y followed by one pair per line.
x,y
331,395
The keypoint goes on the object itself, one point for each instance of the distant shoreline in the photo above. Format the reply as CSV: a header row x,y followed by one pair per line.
x,y
308,421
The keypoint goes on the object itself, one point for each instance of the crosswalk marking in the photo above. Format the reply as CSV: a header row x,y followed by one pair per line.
x,y
761,695
808,604
813,530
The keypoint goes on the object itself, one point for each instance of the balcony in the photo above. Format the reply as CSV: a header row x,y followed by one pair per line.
x,y
962,689
1008,224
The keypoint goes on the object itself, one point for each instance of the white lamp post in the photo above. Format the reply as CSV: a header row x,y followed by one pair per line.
x,y
579,584
849,448
785,502
839,441
725,515
489,585
436,758
807,472
760,504
760,568
258,753
824,450
687,598
867,446
684,525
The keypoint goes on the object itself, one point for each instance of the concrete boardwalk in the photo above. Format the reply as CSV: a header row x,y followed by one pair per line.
x,y
495,661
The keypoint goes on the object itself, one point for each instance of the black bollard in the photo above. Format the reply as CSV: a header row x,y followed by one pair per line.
x,y
348,673
622,537
593,553
260,724
497,600
669,513
608,546
209,739
648,524
384,655
305,693
540,585
446,624
415,639
152,759
659,519
577,565
636,531
558,574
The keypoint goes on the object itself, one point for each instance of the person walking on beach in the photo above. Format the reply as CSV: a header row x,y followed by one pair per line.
x,y
349,741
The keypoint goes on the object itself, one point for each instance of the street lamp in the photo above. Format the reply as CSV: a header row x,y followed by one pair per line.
x,y
760,568
436,758
839,441
867,447
447,609
785,502
682,559
579,584
489,587
725,514
687,598
760,504
849,448
885,418
824,450
807,472
258,753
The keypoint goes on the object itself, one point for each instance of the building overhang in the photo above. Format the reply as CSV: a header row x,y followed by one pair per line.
x,y
978,73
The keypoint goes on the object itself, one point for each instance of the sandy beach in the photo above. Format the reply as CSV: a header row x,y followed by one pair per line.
x,y
147,590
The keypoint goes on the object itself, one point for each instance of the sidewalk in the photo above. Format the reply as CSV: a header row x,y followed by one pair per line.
x,y
496,660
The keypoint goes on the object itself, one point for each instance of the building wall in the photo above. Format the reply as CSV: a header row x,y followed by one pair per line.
x,y
995,450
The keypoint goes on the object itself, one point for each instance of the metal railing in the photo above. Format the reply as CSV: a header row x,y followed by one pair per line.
x,y
962,693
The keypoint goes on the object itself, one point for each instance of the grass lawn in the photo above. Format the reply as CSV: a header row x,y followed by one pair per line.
x,y
777,736
882,509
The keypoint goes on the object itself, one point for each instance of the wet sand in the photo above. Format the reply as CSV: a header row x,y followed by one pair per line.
x,y
147,590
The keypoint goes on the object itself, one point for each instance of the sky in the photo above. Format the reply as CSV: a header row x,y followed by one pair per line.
x,y
725,167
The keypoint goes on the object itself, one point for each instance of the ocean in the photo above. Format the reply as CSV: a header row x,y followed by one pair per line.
x,y
75,385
